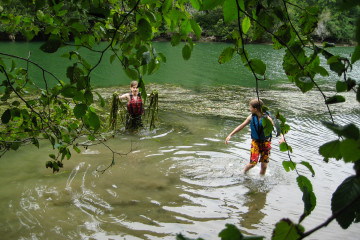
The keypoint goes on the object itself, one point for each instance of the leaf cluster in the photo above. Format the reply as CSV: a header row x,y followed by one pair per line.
x,y
63,113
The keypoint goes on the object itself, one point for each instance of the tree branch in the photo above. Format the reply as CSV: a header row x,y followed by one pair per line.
x,y
330,219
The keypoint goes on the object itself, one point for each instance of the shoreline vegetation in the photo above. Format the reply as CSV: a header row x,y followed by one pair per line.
x,y
4,37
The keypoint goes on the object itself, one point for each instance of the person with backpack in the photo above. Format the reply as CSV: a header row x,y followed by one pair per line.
x,y
260,144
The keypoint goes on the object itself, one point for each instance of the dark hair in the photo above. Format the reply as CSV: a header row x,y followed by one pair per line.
x,y
255,103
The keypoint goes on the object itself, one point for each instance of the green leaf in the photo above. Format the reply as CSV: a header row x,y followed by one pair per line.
x,y
335,99
309,200
308,165
185,27
230,232
304,83
102,101
15,103
74,73
93,121
35,141
144,29
341,86
80,110
267,125
175,39
6,116
196,28
328,45
79,27
166,6
308,20
210,4
336,65
350,150
162,56
348,131
284,147
351,83
186,52
196,4
319,69
331,150
112,58
356,54
15,145
246,24
230,11
52,156
289,165
69,91
116,20
258,66
283,37
226,55
76,149
132,74
51,46
345,194
304,182
287,230
309,197
89,97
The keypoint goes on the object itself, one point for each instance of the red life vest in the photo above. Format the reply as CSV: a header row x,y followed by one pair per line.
x,y
135,107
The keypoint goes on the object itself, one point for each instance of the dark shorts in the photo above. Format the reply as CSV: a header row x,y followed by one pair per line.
x,y
260,148
133,122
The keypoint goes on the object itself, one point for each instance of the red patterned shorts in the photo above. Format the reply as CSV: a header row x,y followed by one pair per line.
x,y
261,148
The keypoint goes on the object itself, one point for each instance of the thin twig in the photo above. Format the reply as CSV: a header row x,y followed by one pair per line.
x,y
37,65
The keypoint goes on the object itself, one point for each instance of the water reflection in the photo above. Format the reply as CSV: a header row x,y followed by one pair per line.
x,y
254,201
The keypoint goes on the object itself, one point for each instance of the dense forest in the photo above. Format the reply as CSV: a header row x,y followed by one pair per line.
x,y
333,26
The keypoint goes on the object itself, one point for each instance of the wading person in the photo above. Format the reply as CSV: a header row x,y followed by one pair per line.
x,y
134,106
260,144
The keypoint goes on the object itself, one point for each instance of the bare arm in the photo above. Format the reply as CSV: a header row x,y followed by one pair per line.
x,y
125,96
238,128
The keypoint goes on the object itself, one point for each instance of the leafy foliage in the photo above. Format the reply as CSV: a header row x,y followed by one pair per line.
x,y
67,111
61,114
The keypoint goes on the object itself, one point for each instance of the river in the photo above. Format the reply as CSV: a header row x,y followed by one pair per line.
x,y
180,177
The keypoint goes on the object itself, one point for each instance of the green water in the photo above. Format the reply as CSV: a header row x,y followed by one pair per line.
x,y
201,70
180,177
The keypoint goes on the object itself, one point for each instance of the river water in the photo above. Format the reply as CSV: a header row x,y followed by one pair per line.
x,y
180,177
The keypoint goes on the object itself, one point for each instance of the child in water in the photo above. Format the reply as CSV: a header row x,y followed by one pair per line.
x,y
134,106
261,144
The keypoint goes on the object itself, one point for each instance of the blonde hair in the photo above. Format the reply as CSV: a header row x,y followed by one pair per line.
x,y
134,83
256,103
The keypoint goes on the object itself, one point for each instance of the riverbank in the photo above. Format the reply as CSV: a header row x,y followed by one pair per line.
x,y
5,37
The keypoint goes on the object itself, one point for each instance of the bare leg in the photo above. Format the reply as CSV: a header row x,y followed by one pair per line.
x,y
263,168
248,167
